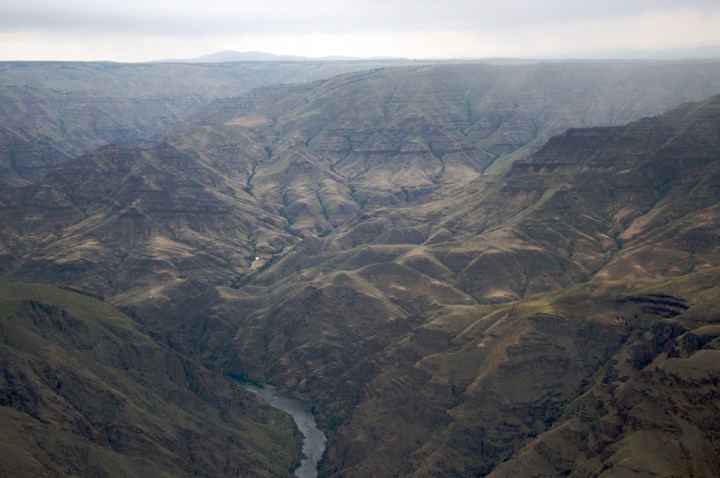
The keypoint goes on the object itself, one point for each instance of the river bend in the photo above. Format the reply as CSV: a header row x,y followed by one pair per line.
x,y
314,438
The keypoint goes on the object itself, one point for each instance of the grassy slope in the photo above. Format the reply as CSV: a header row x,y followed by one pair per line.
x,y
470,391
85,391
402,312
651,410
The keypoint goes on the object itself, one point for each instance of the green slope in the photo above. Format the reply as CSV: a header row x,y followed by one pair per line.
x,y
84,391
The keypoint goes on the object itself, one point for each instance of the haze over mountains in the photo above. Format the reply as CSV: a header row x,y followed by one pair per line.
x,y
697,53
233,56
54,111
467,269
707,52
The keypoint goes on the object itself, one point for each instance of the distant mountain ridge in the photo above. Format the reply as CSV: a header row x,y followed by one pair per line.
x,y
705,52
708,52
53,111
229,56
285,162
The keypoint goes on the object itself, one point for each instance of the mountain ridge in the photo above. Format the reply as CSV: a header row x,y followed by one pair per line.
x,y
433,256
397,297
235,56
310,167
704,52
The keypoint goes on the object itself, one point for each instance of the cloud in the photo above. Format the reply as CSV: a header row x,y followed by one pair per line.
x,y
400,27
323,16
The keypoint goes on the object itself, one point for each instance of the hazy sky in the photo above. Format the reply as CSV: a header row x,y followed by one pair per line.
x,y
139,30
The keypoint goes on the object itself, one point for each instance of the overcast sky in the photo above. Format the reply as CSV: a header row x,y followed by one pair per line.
x,y
140,30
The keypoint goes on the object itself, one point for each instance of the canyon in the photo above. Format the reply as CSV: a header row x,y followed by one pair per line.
x,y
465,269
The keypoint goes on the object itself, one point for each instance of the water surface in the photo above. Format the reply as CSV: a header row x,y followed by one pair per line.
x,y
314,441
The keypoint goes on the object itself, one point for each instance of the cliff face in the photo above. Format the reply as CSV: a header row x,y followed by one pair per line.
x,y
384,246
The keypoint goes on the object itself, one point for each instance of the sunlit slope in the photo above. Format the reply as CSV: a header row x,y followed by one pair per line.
x,y
391,313
391,156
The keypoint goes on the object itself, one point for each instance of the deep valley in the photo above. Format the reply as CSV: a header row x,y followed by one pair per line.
x,y
465,269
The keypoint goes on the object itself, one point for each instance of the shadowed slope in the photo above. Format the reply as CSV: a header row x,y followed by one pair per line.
x,y
85,391
651,410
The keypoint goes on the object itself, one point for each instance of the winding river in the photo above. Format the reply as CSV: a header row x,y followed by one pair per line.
x,y
314,441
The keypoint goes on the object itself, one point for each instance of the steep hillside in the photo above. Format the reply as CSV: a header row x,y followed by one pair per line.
x,y
78,107
389,137
24,158
394,319
463,392
85,392
456,291
137,221
256,176
653,409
